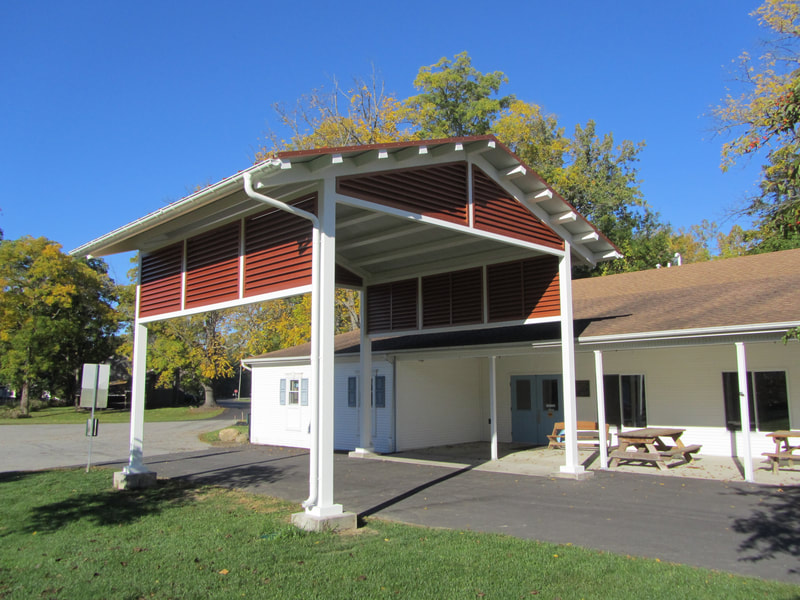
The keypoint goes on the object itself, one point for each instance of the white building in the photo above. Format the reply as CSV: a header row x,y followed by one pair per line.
x,y
666,337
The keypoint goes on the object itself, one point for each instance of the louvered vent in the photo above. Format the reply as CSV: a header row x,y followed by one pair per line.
x,y
438,191
452,298
278,249
161,281
212,266
392,306
496,211
523,289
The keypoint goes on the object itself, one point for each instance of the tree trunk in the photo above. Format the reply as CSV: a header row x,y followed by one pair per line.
x,y
24,404
210,398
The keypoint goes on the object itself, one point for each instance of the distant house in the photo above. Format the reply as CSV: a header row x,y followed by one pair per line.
x,y
667,341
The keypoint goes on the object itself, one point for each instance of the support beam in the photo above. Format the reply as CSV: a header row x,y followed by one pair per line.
x,y
746,455
493,404
365,410
325,506
139,368
572,465
601,407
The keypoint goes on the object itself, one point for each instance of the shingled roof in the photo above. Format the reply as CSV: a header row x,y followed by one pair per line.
x,y
734,293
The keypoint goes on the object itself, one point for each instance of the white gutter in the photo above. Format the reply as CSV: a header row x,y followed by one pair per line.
x,y
697,332
313,478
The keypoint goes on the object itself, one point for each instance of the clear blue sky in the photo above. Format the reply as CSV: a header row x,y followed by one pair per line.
x,y
110,110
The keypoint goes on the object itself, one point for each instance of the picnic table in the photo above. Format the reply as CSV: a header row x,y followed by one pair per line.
x,y
783,448
649,446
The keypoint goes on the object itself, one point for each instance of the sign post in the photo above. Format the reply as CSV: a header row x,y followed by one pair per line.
x,y
94,395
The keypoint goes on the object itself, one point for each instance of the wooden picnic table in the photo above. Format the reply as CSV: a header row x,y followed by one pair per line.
x,y
649,446
783,448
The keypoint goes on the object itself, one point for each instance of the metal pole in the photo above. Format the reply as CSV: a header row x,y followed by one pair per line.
x,y
91,420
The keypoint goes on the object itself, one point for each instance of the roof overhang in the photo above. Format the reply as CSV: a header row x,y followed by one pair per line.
x,y
375,242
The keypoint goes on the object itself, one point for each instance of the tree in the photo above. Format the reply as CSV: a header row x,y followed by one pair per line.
x,y
56,312
456,100
191,352
764,121
596,176
362,114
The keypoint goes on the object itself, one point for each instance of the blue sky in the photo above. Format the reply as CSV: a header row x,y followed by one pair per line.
x,y
110,110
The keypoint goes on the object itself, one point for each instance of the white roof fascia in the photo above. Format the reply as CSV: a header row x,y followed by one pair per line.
x,y
697,332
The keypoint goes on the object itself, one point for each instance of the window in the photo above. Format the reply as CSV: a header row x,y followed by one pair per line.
x,y
294,391
625,400
352,392
380,391
769,400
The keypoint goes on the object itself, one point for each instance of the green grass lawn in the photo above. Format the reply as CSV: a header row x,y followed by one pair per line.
x,y
67,415
65,534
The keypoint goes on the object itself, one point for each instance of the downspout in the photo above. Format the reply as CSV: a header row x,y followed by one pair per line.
x,y
313,478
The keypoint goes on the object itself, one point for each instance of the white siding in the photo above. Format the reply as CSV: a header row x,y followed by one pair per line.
x,y
439,402
273,423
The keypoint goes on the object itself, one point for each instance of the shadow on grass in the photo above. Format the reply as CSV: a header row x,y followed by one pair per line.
x,y
111,507
772,530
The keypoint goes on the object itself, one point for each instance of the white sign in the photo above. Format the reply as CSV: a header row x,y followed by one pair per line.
x,y
94,386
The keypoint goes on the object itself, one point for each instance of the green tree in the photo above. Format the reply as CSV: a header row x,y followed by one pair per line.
x,y
456,99
190,352
763,120
56,312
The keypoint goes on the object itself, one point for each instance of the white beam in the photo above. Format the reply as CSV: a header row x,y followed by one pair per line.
x,y
518,171
540,196
138,384
493,404
566,216
746,455
601,407
365,410
417,250
572,465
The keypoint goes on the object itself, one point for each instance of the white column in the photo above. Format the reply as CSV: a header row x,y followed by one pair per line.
x,y
327,320
601,407
139,368
572,465
365,410
746,455
493,403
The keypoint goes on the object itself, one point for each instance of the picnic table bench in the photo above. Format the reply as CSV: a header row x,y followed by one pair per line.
x,y
588,435
783,448
650,448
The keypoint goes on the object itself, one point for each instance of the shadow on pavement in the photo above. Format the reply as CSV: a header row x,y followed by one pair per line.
x,y
774,528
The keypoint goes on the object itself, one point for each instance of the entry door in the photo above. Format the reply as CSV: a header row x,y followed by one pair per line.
x,y
536,405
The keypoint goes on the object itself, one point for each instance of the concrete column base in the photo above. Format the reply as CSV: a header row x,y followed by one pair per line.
x,y
577,475
362,453
134,481
345,521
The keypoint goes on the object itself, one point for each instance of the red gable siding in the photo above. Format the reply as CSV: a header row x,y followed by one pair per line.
x,y
496,211
439,191
523,289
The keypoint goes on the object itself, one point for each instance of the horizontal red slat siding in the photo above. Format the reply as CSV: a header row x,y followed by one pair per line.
x,y
439,191
392,306
212,266
278,249
161,281
523,289
498,212
452,298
